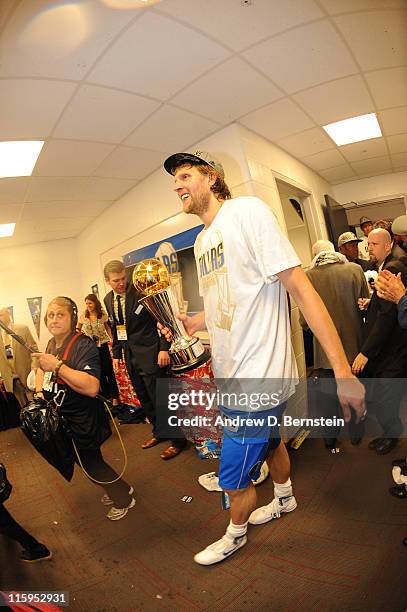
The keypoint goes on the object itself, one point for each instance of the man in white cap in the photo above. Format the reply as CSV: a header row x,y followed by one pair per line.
x,y
348,246
399,229
340,284
245,264
366,225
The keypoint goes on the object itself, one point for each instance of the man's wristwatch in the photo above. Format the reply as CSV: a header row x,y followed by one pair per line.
x,y
60,363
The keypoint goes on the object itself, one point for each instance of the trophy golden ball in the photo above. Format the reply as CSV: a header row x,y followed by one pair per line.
x,y
150,276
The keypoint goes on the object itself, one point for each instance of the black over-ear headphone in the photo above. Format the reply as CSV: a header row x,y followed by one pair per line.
x,y
74,307
74,313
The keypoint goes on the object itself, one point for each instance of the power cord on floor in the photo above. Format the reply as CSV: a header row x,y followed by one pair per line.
x,y
106,404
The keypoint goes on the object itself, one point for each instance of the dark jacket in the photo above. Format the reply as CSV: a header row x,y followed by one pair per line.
x,y
402,308
141,328
398,253
365,264
385,344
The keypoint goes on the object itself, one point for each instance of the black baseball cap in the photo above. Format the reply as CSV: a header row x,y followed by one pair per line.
x,y
195,158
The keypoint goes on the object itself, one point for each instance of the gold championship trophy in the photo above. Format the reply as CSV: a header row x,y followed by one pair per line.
x,y
152,279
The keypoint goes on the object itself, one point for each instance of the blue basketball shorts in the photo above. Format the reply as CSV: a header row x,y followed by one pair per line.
x,y
246,445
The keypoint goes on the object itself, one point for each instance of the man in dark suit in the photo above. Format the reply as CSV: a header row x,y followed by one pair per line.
x,y
396,251
383,356
146,355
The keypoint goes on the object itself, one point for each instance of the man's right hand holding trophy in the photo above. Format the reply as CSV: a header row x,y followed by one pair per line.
x,y
152,279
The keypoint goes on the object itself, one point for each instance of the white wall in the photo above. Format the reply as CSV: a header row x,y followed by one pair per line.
x,y
44,269
376,187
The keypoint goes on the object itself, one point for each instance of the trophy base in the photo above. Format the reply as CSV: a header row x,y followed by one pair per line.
x,y
188,357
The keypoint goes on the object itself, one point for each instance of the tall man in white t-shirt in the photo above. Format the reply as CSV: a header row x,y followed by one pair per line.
x,y
244,265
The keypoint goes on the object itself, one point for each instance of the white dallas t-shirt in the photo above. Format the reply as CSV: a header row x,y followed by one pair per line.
x,y
246,310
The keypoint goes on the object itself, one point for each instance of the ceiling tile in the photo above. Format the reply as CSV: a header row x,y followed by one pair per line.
x,y
100,188
394,120
388,87
62,210
13,189
68,226
303,57
397,143
52,189
70,158
60,40
376,164
27,235
326,159
30,108
337,100
333,7
377,39
203,95
277,120
306,143
375,147
163,57
246,24
338,175
170,129
45,189
10,213
130,162
399,160
105,115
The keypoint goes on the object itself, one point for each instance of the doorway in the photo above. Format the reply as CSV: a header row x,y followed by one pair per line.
x,y
293,202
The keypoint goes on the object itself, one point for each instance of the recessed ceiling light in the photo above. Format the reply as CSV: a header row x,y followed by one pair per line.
x,y
354,129
6,229
18,158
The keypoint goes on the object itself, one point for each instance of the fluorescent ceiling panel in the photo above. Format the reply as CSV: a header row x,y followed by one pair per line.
x,y
354,129
18,158
6,229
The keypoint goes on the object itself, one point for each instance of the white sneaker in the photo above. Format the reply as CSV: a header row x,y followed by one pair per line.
x,y
107,501
115,514
210,481
220,550
399,475
264,514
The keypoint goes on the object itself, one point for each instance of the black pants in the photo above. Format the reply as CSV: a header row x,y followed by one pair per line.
x,y
383,397
145,385
9,411
108,384
323,402
10,528
96,466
